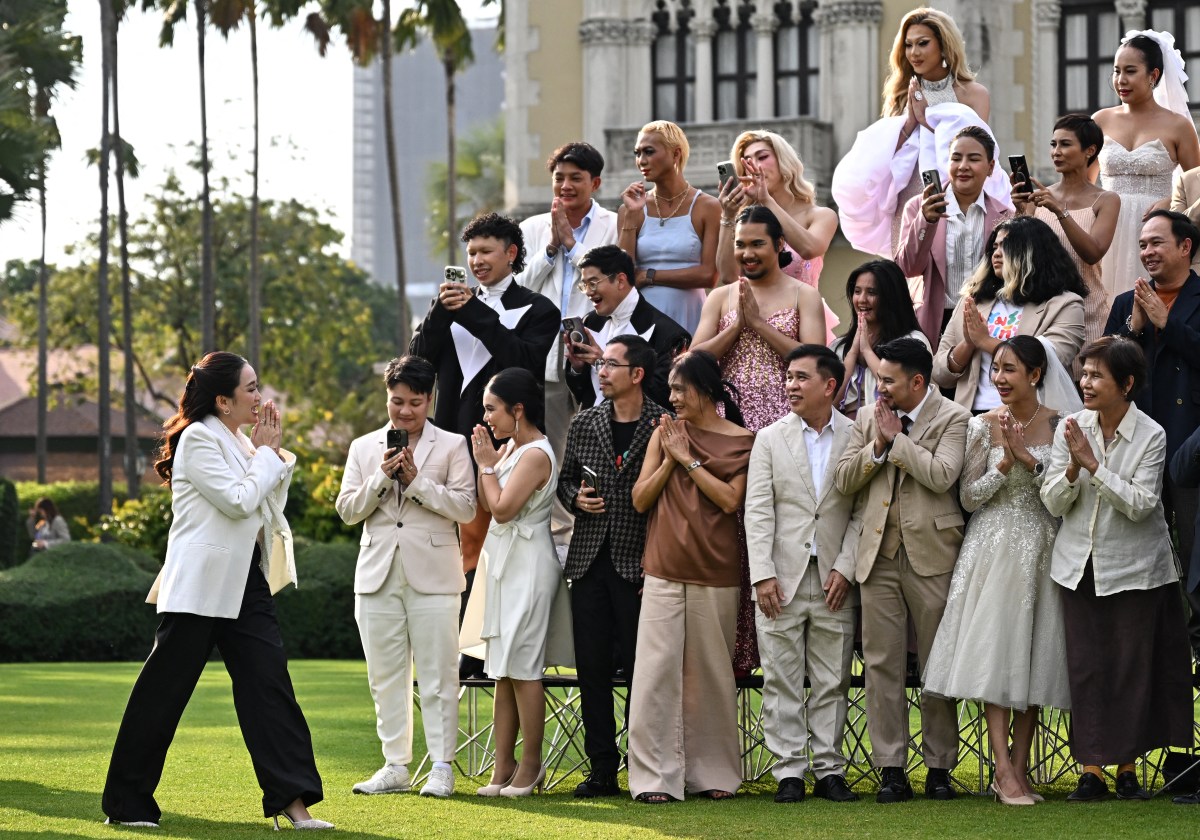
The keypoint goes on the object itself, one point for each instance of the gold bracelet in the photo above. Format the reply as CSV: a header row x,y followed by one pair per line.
x,y
638,227
726,224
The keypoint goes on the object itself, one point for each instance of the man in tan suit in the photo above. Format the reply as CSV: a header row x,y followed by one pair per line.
x,y
1185,198
802,536
904,458
409,576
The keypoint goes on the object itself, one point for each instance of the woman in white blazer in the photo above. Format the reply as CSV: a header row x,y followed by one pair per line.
x,y
228,537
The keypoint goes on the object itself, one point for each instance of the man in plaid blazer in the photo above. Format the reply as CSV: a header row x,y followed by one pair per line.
x,y
604,563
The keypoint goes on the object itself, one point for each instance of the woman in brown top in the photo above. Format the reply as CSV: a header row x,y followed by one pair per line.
x,y
683,715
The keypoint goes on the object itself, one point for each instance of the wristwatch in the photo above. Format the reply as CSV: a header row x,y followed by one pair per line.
x,y
488,471
694,465
650,272
1039,468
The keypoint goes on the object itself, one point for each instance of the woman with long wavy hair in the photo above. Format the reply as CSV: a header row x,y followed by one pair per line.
x,y
228,551
930,93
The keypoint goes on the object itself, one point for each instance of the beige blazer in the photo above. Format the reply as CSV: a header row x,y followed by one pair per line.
x,y
418,525
785,514
217,496
1060,320
925,465
1185,194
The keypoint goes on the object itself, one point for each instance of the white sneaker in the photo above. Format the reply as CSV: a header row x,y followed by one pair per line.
x,y
440,783
134,824
390,778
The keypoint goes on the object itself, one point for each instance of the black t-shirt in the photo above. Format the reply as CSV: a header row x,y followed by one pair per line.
x,y
622,435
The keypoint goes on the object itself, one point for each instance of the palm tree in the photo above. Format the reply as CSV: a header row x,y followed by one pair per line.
x,y
175,11
108,27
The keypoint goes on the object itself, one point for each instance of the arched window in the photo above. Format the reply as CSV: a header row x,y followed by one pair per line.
x,y
734,59
673,63
796,60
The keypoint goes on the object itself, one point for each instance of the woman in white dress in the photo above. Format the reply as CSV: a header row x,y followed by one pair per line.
x,y
1146,137
524,590
1001,639
929,95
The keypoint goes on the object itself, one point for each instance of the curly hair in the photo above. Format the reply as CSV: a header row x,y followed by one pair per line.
x,y
502,228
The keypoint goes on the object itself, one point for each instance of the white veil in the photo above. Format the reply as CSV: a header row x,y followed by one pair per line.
x,y
1057,390
1170,91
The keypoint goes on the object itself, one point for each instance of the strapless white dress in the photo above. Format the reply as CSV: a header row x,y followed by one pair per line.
x,y
1141,177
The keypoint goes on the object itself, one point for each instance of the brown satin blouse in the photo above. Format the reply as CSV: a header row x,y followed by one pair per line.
x,y
689,539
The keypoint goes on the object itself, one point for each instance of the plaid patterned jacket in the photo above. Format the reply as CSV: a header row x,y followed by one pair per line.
x,y
589,443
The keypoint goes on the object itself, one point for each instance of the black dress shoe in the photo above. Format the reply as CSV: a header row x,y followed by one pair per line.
x,y
938,785
834,788
1187,799
598,784
791,789
894,786
1090,789
1128,787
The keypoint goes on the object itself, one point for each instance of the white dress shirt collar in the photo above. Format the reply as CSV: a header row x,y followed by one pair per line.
x,y
491,295
619,323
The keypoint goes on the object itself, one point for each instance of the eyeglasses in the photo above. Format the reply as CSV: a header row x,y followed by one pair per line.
x,y
588,286
601,364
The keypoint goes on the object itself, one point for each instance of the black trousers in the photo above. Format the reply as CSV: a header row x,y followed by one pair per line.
x,y
1179,506
604,617
272,724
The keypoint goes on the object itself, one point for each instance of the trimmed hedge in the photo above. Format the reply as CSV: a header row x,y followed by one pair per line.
x,y
87,602
12,528
77,501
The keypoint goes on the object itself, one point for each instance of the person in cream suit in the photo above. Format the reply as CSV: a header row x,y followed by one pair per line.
x,y
904,458
228,539
802,535
1185,197
409,574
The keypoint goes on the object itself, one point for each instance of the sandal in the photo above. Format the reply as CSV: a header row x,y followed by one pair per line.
x,y
716,794
653,798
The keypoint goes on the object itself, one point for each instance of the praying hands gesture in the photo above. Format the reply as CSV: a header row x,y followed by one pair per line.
x,y
675,440
748,312
1147,306
1012,438
974,327
1080,448
562,235
268,430
485,454
887,426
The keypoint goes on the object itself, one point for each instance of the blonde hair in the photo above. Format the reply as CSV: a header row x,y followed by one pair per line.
x,y
673,136
954,52
791,168
1018,269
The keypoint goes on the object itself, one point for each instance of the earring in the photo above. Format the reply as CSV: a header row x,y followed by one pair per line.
x,y
944,64
516,427
225,412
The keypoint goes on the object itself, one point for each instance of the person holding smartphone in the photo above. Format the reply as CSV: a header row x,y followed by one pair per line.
x,y
411,485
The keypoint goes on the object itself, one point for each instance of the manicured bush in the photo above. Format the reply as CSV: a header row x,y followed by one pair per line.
x,y
79,601
139,523
317,619
12,529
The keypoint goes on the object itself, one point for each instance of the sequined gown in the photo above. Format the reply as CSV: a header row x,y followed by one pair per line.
x,y
1141,177
758,373
1001,638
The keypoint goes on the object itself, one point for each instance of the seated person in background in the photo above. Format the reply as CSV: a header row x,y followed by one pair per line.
x,y
408,579
607,280
46,526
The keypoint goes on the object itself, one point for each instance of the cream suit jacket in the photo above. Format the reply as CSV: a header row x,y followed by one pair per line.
x,y
216,497
1059,320
925,464
784,512
1185,194
416,525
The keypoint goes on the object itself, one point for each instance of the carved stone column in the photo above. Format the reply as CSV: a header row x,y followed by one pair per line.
x,y
639,93
764,65
703,30
1133,14
1047,18
605,87
849,66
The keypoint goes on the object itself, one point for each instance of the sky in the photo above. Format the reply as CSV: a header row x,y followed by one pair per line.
x,y
305,121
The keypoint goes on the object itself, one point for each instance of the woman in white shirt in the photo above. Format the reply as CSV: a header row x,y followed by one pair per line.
x,y
228,538
1026,284
1128,658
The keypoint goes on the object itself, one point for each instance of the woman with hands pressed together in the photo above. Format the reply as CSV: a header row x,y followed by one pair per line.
x,y
683,732
1128,658
1000,641
1082,215
526,623
882,308
671,231
227,553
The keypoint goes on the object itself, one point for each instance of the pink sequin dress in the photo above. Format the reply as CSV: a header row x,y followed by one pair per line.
x,y
808,272
758,373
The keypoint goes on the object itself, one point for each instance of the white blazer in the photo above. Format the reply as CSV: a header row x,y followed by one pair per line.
x,y
417,526
217,493
785,515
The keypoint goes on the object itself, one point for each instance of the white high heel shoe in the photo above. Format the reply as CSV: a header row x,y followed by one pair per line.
x,y
303,825
538,783
494,790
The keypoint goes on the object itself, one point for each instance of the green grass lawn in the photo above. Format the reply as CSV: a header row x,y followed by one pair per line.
x,y
58,721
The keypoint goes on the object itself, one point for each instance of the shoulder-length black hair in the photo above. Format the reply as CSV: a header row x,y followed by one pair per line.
x,y
701,370
894,314
1036,265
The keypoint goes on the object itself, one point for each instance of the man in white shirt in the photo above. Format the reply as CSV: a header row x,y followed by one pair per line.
x,y
802,538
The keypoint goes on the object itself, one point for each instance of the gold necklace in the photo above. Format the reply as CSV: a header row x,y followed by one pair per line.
x,y
662,220
1032,417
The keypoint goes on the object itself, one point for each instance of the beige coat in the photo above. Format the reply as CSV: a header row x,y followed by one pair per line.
x,y
1185,194
925,465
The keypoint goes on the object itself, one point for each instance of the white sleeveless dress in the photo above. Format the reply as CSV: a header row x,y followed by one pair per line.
x,y
1141,177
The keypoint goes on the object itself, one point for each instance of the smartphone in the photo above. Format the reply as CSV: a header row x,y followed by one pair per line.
x,y
573,327
930,176
590,479
725,171
1020,171
456,274
397,439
